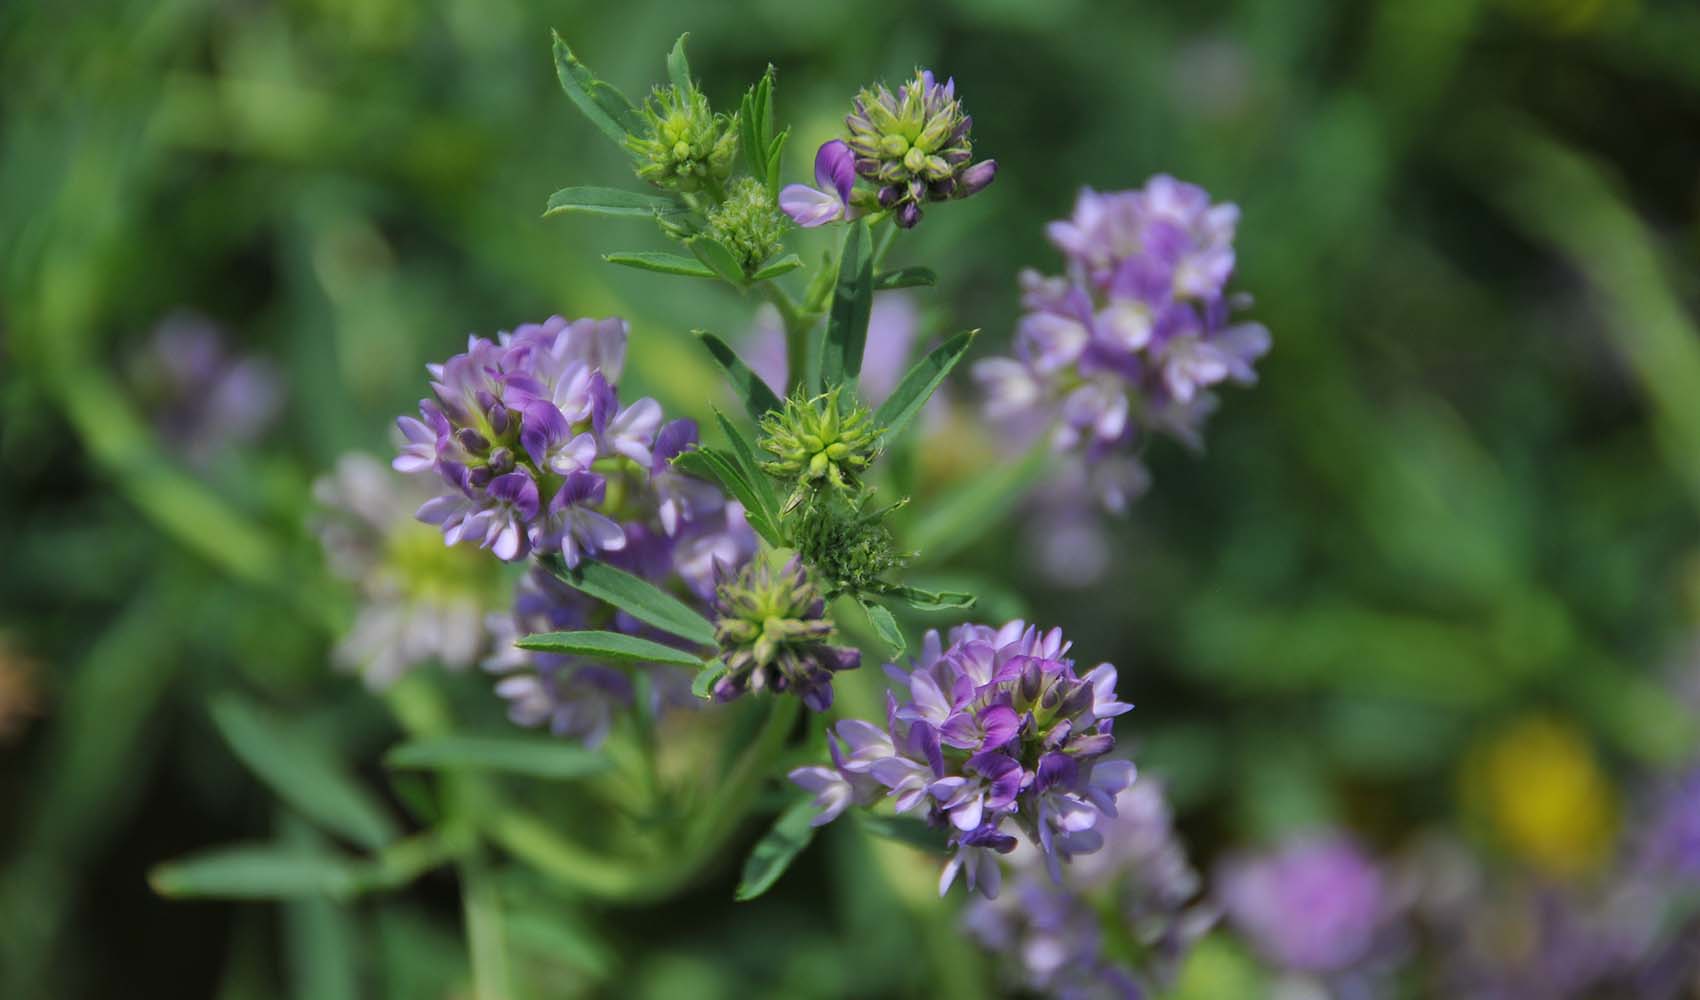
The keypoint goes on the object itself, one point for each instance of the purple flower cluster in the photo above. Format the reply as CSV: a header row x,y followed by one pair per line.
x,y
1317,904
204,399
536,453
1052,937
997,732
1132,337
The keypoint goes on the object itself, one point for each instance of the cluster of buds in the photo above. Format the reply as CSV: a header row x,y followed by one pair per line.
x,y
914,146
774,635
1131,338
687,148
819,442
998,735
748,224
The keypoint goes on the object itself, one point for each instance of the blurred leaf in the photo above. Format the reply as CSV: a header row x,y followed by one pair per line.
x,y
608,646
301,772
885,626
975,507
533,756
661,263
930,600
702,685
324,938
601,102
776,850
852,298
638,598
678,68
774,268
905,830
611,201
560,935
919,383
757,397
719,259
905,277
256,871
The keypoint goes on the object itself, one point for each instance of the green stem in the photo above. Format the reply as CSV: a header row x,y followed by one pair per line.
x,y
797,324
486,937
887,236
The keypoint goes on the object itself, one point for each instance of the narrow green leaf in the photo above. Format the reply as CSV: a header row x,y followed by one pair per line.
x,y
919,383
608,646
764,104
703,684
664,263
302,773
886,626
600,101
852,298
908,830
776,850
532,756
610,201
256,871
775,152
774,268
638,598
905,277
745,453
678,69
757,397
720,260
975,507
716,466
749,138
930,600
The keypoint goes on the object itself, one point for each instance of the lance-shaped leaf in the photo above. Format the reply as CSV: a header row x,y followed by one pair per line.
x,y
663,263
613,646
755,394
302,773
717,466
755,120
905,277
259,871
678,68
532,756
745,454
852,299
637,597
719,259
930,600
611,201
919,383
600,101
886,627
776,850
775,153
774,268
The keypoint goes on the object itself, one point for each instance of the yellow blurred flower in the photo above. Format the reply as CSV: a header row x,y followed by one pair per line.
x,y
1538,785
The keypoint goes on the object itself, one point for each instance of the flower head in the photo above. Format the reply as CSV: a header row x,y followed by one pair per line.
x,y
687,147
997,735
914,146
774,634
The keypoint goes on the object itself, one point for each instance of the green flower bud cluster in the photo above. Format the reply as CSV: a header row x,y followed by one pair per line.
x,y
748,223
816,443
688,147
849,547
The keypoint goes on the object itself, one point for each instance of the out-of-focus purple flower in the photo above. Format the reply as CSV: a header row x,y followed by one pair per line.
x,y
420,602
202,399
1048,935
526,432
835,172
1131,339
1315,905
1671,841
996,734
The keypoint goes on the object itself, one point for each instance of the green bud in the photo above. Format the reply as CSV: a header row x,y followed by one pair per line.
x,y
688,146
748,223
816,445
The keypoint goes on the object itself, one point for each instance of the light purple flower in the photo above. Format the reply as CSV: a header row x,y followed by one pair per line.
x,y
1314,905
835,172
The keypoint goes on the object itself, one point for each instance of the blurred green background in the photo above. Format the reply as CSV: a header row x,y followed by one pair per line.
x,y
1454,523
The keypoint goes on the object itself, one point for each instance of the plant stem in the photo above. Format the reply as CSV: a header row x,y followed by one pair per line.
x,y
797,325
486,938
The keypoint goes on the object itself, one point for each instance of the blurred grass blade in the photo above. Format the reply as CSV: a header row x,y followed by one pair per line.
x,y
256,871
661,263
608,646
919,384
678,67
776,850
610,201
638,598
322,937
600,101
852,299
532,756
758,398
976,506
302,773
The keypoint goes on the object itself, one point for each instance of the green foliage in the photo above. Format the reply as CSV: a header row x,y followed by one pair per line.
x,y
638,598
611,646
776,850
531,756
852,302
